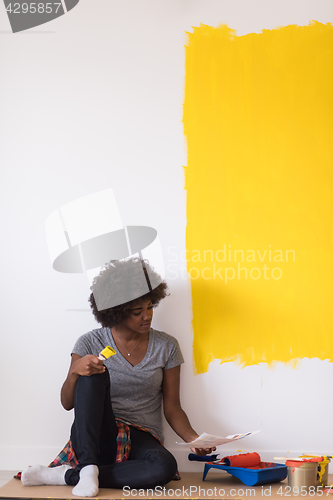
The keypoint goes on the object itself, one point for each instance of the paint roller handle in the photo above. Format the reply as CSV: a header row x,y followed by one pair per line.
x,y
202,458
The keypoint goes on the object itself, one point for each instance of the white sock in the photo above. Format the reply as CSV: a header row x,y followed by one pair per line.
x,y
88,483
40,474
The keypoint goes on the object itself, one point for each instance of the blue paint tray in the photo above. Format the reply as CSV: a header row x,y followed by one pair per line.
x,y
268,472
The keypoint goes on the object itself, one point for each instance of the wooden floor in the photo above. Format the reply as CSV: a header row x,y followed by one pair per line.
x,y
6,475
218,485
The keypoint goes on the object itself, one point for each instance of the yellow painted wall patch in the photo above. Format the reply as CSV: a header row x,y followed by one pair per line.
x,y
258,122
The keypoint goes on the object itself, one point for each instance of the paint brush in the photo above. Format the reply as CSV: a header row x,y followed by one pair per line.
x,y
300,459
106,353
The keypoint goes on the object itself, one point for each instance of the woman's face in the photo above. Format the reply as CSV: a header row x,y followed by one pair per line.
x,y
140,318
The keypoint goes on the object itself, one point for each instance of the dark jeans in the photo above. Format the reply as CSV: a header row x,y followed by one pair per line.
x,y
94,433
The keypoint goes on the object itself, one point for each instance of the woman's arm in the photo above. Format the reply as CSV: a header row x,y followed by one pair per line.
x,y
87,365
174,414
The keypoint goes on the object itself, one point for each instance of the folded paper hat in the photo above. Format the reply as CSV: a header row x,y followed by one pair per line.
x,y
86,234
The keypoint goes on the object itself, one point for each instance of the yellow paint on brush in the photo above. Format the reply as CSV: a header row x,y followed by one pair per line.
x,y
258,122
107,352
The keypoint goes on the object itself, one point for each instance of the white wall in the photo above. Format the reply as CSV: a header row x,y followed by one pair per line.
x,y
94,100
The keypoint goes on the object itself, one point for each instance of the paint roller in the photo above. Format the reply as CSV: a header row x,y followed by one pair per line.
x,y
245,460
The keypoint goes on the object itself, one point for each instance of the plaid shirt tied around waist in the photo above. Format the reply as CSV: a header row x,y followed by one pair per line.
x,y
67,454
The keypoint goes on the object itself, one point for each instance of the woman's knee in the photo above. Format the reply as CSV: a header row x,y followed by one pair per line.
x,y
93,378
163,466
97,380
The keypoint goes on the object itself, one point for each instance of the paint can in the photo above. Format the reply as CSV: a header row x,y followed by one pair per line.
x,y
302,474
322,471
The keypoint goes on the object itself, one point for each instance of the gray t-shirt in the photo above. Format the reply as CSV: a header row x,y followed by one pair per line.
x,y
136,391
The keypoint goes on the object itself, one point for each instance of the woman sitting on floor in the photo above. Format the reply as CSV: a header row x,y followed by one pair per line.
x,y
117,431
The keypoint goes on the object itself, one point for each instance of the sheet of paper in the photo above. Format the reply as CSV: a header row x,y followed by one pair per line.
x,y
209,441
